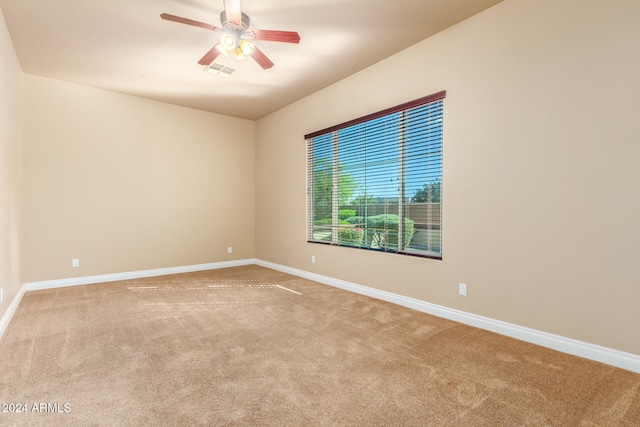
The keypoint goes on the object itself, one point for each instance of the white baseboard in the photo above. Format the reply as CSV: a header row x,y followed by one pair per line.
x,y
89,280
628,361
6,318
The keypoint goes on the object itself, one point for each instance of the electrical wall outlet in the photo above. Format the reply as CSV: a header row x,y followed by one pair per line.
x,y
75,263
229,250
462,289
313,259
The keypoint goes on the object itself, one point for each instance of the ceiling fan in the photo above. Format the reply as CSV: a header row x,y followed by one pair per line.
x,y
237,37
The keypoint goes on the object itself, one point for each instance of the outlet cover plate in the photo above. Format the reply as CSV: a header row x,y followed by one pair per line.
x,y
462,289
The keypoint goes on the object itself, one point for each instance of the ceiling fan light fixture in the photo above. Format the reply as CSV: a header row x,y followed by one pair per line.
x,y
222,49
246,47
239,55
228,41
238,51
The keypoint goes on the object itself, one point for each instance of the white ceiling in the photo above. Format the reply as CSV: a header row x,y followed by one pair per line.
x,y
124,46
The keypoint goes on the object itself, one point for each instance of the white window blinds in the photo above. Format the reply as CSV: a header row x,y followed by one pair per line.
x,y
375,182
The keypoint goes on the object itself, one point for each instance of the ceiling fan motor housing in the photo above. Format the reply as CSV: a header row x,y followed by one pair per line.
x,y
241,26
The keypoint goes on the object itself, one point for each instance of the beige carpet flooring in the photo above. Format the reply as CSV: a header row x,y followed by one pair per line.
x,y
249,346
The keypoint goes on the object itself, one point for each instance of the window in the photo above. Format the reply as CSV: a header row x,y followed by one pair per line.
x,y
375,182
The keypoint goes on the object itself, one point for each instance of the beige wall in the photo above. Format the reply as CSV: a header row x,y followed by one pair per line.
x,y
541,151
540,187
127,184
10,143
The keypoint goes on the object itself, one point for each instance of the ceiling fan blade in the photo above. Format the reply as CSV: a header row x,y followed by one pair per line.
x,y
277,36
182,20
208,57
261,58
234,11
